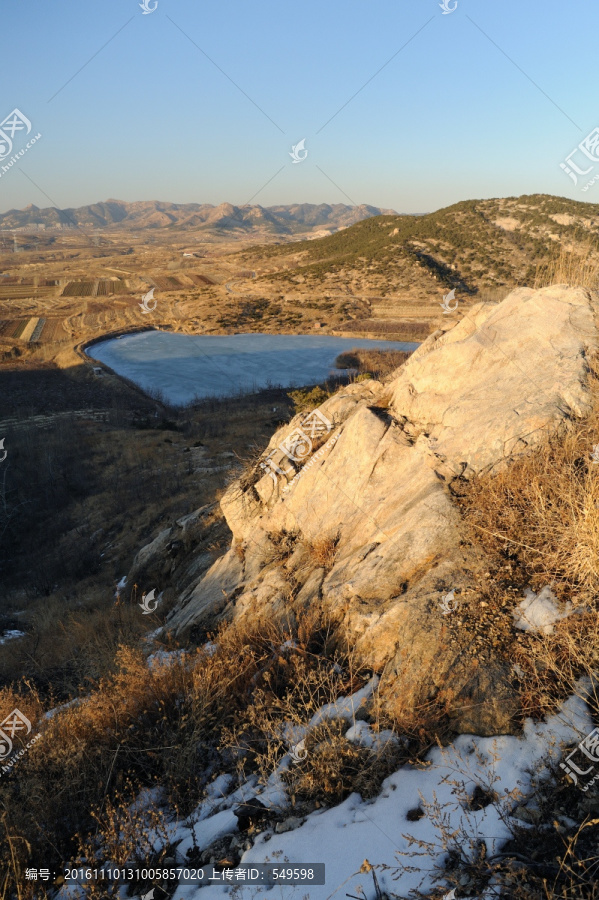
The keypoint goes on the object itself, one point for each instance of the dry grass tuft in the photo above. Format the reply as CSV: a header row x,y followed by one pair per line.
x,y
126,834
561,664
576,266
335,767
423,724
323,551
294,687
541,515
378,363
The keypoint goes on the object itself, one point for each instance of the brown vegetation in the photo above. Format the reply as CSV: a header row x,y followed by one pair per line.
x,y
541,515
151,723
389,329
79,498
379,363
576,265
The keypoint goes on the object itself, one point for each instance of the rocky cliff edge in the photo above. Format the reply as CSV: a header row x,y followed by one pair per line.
x,y
351,509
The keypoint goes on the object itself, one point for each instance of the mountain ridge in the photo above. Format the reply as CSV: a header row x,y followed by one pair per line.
x,y
489,244
141,214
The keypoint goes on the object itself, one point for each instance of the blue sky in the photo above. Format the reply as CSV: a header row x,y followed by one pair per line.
x,y
150,117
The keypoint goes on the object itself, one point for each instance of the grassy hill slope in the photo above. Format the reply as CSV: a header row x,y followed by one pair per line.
x,y
472,246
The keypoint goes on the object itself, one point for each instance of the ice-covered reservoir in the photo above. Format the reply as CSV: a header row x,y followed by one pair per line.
x,y
185,367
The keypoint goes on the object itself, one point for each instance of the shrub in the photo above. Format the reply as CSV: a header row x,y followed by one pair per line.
x,y
174,723
541,513
307,399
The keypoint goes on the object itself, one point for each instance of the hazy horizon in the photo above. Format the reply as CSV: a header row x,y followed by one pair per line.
x,y
403,108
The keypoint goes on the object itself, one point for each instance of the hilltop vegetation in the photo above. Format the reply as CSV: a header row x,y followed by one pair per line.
x,y
473,246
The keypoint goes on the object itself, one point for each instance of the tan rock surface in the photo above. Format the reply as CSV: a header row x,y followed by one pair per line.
x,y
467,401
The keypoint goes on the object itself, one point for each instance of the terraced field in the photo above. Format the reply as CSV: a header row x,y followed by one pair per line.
x,y
168,283
19,328
52,331
6,328
33,329
200,279
404,311
107,287
102,287
19,291
80,289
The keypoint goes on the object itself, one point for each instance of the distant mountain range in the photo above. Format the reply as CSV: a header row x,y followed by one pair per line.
x,y
300,218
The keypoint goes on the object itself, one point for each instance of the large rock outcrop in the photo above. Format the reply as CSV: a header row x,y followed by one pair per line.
x,y
377,489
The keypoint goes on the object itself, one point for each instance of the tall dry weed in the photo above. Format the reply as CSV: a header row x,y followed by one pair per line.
x,y
541,514
160,724
577,266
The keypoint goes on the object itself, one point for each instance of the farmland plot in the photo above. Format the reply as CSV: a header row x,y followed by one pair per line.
x,y
37,331
80,289
19,328
53,331
200,279
168,283
107,287
29,329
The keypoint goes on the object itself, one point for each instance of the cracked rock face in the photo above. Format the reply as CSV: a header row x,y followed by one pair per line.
x,y
378,483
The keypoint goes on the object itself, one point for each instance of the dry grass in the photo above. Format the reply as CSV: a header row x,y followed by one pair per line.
x,y
538,522
562,664
322,551
174,724
378,363
76,504
335,767
577,266
541,515
389,329
140,726
296,685
423,723
126,834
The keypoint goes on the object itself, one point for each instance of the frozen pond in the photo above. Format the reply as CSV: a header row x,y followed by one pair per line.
x,y
185,367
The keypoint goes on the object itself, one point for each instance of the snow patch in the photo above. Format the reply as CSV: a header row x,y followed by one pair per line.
x,y
539,612
343,836
11,636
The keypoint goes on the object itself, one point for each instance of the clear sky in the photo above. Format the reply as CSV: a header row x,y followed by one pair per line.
x,y
202,101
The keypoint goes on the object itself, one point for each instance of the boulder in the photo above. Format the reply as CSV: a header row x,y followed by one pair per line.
x,y
179,555
468,401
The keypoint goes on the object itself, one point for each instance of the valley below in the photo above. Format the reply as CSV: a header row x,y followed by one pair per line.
x,y
299,550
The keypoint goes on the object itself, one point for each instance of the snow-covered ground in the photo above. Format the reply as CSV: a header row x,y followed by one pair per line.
x,y
185,367
378,829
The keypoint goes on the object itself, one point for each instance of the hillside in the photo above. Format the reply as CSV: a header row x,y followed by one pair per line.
x,y
472,246
384,623
382,277
386,275
283,220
